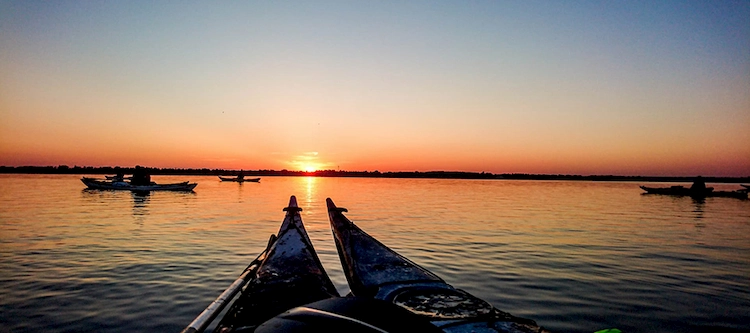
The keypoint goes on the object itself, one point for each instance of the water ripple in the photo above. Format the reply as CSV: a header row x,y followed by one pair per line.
x,y
574,256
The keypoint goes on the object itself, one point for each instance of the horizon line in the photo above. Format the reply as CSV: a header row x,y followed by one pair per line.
x,y
64,169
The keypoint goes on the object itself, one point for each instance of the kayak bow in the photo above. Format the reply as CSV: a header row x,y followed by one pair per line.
x,y
373,270
289,275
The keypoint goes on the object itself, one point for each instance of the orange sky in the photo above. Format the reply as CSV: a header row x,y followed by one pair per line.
x,y
628,89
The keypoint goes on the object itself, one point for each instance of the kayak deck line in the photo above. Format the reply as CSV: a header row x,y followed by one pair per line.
x,y
209,314
304,309
348,314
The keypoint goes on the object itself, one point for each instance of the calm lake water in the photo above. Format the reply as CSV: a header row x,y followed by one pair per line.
x,y
574,256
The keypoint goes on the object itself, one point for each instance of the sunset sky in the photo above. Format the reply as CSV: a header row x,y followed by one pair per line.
x,y
575,87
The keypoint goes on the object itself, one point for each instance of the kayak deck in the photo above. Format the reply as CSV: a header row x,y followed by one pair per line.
x,y
373,270
369,265
290,275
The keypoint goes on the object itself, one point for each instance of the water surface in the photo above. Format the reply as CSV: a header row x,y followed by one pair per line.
x,y
574,256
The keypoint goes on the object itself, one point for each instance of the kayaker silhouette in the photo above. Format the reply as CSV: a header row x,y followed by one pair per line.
x,y
119,177
698,185
140,176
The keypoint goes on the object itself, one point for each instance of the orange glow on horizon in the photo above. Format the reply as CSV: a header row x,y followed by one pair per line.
x,y
627,160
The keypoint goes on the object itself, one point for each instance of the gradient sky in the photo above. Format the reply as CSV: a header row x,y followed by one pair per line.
x,y
575,87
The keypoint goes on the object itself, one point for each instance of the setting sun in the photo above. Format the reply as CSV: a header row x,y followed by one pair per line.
x,y
308,162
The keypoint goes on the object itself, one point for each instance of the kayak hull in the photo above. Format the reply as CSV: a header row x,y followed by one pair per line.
x,y
237,180
681,191
290,275
373,270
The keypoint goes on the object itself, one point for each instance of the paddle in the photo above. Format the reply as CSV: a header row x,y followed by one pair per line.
x,y
209,314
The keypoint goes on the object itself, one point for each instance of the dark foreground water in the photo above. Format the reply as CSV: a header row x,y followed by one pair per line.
x,y
574,256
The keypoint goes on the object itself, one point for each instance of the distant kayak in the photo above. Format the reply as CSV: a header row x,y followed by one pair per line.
x,y
239,180
95,184
682,191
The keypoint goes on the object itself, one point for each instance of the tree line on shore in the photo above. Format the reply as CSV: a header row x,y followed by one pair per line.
x,y
64,169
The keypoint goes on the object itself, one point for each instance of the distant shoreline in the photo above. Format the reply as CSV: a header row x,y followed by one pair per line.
x,y
369,174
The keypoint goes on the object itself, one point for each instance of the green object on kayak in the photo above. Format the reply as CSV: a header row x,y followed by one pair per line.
x,y
609,330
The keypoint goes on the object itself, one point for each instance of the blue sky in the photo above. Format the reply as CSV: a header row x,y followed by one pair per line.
x,y
636,87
